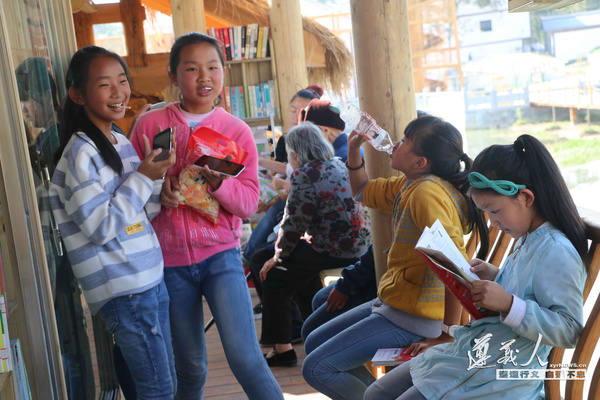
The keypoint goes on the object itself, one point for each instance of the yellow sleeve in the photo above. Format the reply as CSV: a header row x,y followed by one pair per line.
x,y
381,193
430,202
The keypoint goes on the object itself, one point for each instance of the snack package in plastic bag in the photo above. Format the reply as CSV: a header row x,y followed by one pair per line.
x,y
194,193
206,141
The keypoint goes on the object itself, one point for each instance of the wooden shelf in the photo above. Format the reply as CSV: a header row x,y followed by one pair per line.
x,y
5,377
251,60
262,121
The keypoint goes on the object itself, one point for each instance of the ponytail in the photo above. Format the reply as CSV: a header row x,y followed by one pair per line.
x,y
442,145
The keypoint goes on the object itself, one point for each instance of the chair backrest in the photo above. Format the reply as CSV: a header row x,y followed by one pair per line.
x,y
574,389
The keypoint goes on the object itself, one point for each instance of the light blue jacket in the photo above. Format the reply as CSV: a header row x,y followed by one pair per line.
x,y
547,273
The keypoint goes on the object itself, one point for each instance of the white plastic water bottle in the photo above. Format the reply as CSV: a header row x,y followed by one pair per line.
x,y
363,123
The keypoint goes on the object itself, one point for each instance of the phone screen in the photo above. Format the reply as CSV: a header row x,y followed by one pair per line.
x,y
222,166
162,140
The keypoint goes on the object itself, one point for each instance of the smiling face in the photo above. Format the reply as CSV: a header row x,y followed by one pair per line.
x,y
199,76
516,216
106,93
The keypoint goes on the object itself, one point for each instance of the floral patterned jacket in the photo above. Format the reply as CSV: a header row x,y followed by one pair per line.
x,y
320,209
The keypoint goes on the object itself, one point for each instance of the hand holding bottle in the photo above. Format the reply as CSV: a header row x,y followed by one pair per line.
x,y
363,123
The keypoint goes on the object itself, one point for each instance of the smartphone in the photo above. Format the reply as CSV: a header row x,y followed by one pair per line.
x,y
228,168
156,106
162,140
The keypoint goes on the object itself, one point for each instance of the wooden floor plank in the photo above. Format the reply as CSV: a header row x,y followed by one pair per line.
x,y
222,385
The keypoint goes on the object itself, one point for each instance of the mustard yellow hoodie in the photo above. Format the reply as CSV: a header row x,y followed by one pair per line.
x,y
409,285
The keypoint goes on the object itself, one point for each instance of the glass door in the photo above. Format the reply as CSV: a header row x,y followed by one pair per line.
x,y
32,56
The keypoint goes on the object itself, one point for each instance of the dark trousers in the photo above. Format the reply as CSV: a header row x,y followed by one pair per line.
x,y
297,275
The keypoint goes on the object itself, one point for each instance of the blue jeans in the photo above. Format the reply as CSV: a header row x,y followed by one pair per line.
x,y
264,228
140,326
320,314
395,385
220,279
338,350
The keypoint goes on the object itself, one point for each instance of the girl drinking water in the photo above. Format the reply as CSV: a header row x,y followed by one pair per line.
x,y
103,199
202,258
538,291
410,304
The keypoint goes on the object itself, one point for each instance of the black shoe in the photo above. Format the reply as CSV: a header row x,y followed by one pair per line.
x,y
285,359
258,309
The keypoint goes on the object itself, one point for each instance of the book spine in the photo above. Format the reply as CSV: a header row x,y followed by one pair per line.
x,y
259,103
243,47
267,94
272,93
254,39
227,91
259,42
221,38
249,100
212,32
234,43
248,40
5,364
242,102
227,44
265,41
234,102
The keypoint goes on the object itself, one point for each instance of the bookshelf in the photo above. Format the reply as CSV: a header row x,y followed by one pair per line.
x,y
248,74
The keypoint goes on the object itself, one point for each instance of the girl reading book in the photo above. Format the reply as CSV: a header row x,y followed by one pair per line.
x,y
538,291
410,305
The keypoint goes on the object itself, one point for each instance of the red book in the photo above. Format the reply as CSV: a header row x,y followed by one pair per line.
x,y
447,262
227,44
221,38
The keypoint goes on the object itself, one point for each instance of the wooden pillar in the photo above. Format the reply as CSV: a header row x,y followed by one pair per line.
x,y
188,16
386,91
133,15
573,115
84,30
288,44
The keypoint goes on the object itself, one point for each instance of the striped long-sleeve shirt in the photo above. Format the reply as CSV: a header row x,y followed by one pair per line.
x,y
104,219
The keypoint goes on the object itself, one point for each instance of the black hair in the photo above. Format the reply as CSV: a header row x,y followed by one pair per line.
x,y
189,39
528,162
313,91
73,117
442,145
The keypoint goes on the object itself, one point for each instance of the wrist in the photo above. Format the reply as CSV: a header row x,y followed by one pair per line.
x,y
355,168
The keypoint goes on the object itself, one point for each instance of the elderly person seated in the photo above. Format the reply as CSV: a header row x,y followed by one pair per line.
x,y
322,227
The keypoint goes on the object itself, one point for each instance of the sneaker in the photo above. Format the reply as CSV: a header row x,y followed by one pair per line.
x,y
285,359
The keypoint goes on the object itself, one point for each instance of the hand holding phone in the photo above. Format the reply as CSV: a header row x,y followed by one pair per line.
x,y
225,167
162,140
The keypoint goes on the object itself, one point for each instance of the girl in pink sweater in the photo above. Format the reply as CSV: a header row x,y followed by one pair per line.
x,y
201,258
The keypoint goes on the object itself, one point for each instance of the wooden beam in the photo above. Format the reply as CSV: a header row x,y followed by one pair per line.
x,y
286,32
133,28
84,31
107,14
188,16
386,91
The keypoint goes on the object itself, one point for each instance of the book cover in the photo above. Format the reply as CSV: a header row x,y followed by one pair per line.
x,y
390,357
449,265
265,41
259,42
242,102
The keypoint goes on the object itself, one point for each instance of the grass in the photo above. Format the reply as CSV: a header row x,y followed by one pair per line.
x,y
575,151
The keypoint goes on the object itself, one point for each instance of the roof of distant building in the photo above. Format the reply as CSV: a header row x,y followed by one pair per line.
x,y
572,22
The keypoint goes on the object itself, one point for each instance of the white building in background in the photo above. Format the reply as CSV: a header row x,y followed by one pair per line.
x,y
573,36
490,30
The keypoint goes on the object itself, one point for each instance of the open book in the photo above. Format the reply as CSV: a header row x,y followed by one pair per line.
x,y
448,263
390,357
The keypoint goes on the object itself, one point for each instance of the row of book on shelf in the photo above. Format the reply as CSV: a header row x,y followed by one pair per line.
x,y
11,357
243,42
257,102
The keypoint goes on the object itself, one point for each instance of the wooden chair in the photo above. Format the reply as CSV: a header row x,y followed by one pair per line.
x,y
591,332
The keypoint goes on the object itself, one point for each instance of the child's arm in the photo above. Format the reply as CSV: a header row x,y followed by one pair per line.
x,y
275,166
358,177
555,307
484,270
102,214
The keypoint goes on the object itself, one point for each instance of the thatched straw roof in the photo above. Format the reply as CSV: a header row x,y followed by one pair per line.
x,y
335,74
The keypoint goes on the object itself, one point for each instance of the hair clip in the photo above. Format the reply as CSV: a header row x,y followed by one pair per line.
x,y
506,188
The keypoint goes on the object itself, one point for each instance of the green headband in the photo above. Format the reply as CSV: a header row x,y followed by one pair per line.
x,y
506,188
